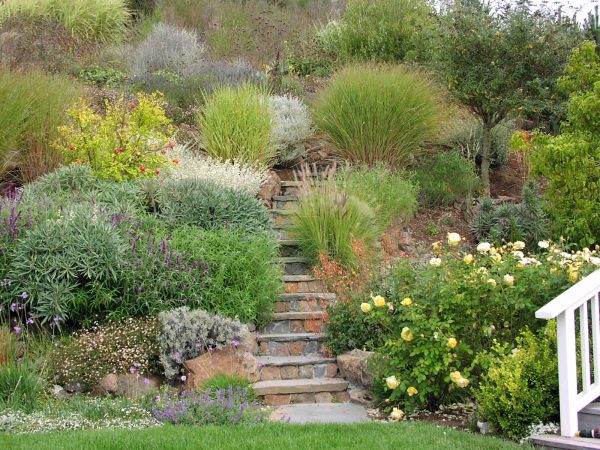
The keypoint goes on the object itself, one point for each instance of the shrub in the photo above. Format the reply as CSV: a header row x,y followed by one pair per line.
x,y
329,221
235,124
209,206
291,126
79,250
102,76
130,346
102,20
33,107
20,386
167,49
222,382
222,407
128,142
569,161
381,30
228,174
509,222
187,333
521,386
377,114
446,178
243,278
393,195
468,137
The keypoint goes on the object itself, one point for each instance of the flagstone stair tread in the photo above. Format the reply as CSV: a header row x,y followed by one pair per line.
x,y
300,385
293,360
291,337
299,315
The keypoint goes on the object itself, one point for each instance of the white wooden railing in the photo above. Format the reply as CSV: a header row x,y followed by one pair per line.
x,y
573,310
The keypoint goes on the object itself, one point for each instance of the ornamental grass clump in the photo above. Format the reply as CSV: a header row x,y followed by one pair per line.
x,y
329,221
211,407
384,113
236,125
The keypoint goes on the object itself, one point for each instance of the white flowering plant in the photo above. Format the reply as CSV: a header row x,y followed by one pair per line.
x,y
229,174
291,126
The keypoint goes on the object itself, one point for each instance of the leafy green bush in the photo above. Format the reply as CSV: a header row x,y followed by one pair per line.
x,y
242,278
186,333
381,30
56,258
509,222
129,142
209,206
130,346
102,20
236,124
33,106
393,195
467,137
328,221
102,76
521,386
377,114
20,386
569,161
446,178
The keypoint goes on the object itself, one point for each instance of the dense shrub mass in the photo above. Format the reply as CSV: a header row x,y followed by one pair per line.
x,y
446,178
468,139
375,114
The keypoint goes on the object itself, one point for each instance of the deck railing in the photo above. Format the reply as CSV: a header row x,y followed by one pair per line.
x,y
577,313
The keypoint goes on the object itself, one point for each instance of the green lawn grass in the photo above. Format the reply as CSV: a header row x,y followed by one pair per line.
x,y
270,436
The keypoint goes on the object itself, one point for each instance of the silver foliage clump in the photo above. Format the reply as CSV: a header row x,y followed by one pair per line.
x,y
228,174
186,334
167,49
291,126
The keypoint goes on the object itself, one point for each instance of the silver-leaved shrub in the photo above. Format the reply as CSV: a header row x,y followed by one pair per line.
x,y
291,126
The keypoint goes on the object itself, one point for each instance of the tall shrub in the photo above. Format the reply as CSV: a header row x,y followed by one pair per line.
x,y
375,114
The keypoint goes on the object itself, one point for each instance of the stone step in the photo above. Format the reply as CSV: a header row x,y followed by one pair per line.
x,y
289,247
296,322
303,283
292,259
284,203
304,302
290,344
315,390
321,413
291,183
554,442
292,367
285,198
589,417
280,216
294,265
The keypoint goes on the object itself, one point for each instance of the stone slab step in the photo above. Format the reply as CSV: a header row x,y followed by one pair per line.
x,y
554,442
303,302
300,386
299,278
288,242
292,260
285,198
321,413
290,183
294,367
299,315
296,322
290,337
589,417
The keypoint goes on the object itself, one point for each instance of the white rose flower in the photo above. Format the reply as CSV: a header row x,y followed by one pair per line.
x,y
484,247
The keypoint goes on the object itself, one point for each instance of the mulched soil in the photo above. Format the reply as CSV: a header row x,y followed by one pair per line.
x,y
457,415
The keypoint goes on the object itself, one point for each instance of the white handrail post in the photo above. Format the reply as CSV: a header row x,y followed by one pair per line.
x,y
567,373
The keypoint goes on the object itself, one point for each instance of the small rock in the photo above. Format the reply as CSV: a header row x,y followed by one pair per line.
x,y
59,392
129,385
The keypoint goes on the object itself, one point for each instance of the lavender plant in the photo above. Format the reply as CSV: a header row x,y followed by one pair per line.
x,y
219,407
187,333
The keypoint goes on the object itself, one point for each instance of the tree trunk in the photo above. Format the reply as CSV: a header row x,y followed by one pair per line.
x,y
485,158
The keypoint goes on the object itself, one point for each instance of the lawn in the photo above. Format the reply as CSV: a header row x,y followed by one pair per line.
x,y
410,435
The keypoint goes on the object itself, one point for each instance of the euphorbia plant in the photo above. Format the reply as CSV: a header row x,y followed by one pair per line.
x,y
130,141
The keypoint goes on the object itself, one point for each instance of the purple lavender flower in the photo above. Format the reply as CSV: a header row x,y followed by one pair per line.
x,y
14,306
183,378
17,329
29,321
235,343
24,295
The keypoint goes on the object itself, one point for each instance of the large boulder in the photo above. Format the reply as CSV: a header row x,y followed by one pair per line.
x,y
128,385
270,188
353,367
228,360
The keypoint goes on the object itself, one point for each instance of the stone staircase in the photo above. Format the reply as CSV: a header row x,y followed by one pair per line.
x,y
294,366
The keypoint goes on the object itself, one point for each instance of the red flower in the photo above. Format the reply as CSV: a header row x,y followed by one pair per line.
x,y
133,105
163,151
118,150
142,169
175,161
171,145
71,147
157,171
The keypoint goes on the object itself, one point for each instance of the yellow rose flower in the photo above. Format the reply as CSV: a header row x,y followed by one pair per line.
x,y
462,382
396,414
519,245
455,376
412,391
406,302
379,301
452,342
436,245
365,307
468,259
496,257
453,239
392,382
509,279
484,247
492,282
573,276
553,270
406,334
435,262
